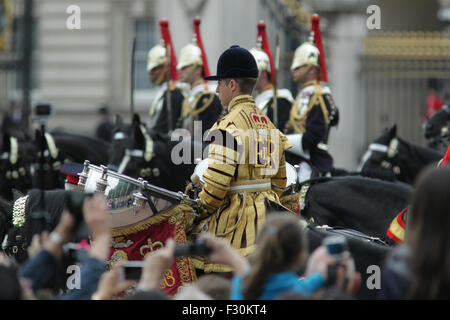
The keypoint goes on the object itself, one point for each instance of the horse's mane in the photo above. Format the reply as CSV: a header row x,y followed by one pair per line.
x,y
419,154
80,146
375,173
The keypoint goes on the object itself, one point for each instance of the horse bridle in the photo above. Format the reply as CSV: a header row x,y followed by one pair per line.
x,y
391,151
147,153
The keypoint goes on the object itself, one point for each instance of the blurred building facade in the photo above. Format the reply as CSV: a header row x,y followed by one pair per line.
x,y
78,70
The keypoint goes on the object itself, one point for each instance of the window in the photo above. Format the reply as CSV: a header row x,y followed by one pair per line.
x,y
145,39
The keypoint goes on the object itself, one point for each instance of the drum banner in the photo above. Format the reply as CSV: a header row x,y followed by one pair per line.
x,y
296,202
133,242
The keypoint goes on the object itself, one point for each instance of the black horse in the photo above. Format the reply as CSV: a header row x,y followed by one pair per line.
x,y
369,256
437,129
365,250
139,152
20,159
401,159
15,167
359,203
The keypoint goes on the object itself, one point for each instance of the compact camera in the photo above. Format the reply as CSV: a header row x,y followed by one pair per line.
x,y
42,112
198,248
336,246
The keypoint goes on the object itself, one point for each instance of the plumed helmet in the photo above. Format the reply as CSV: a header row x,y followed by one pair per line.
x,y
156,57
235,62
190,55
306,54
262,59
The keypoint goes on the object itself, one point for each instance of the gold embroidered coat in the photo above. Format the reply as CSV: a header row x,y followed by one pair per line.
x,y
239,178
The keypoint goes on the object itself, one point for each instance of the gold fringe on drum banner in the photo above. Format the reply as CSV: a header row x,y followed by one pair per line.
x,y
133,243
123,231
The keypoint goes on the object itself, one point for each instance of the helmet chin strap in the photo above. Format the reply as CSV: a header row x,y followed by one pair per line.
x,y
190,73
159,80
303,74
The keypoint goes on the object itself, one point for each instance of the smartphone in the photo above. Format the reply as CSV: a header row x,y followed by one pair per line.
x,y
132,270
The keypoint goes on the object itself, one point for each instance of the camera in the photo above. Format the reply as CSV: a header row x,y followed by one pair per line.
x,y
336,246
198,248
132,270
42,112
74,204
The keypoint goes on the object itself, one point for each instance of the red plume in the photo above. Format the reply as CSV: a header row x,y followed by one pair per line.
x,y
200,45
165,35
315,27
265,43
446,159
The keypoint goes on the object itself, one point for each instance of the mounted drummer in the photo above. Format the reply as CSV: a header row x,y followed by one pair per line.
x,y
313,111
246,163
201,103
161,66
266,86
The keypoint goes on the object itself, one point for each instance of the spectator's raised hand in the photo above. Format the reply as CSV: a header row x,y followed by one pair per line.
x,y
156,263
347,279
111,283
98,221
223,253
96,216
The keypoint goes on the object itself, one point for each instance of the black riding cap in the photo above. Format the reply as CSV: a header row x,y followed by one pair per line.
x,y
235,62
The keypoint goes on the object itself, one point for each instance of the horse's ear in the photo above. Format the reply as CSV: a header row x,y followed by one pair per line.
x,y
5,143
393,131
37,135
136,120
138,136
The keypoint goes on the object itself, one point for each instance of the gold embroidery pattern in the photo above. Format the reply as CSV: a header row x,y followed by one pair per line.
x,y
168,280
151,246
184,265
118,255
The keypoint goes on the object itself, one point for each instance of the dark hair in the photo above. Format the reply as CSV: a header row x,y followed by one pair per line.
x,y
428,237
278,245
10,288
246,85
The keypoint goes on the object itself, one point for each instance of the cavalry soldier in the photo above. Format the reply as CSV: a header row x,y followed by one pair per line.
x,y
312,113
265,86
201,103
161,63
246,164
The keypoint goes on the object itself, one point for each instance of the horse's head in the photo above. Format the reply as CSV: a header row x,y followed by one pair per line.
x,y
131,148
381,155
437,128
14,166
393,155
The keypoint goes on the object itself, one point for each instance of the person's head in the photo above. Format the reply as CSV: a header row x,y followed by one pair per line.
x,y
11,288
154,294
191,292
305,64
190,64
156,64
263,62
103,112
427,234
217,287
281,246
237,73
